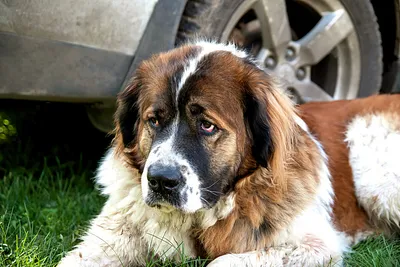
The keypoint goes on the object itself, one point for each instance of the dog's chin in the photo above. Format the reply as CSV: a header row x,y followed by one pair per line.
x,y
167,207
163,207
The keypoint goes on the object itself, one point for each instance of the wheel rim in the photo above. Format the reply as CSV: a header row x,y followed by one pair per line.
x,y
331,42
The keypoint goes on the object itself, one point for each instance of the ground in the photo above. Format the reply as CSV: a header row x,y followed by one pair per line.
x,y
47,196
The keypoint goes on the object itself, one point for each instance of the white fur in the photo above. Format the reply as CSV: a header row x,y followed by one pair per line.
x,y
208,218
206,49
374,153
301,123
359,236
127,231
270,258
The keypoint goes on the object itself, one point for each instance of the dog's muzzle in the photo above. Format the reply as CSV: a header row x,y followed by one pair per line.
x,y
164,180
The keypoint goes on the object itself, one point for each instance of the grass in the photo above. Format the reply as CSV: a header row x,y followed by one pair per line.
x,y
375,252
46,193
47,196
42,216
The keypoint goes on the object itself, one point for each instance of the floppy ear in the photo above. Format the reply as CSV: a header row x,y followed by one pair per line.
x,y
259,129
127,114
271,118
127,124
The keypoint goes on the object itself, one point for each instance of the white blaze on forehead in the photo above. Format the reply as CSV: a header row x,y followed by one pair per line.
x,y
206,49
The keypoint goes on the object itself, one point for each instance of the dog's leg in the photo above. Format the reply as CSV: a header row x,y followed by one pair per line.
x,y
310,252
108,242
271,257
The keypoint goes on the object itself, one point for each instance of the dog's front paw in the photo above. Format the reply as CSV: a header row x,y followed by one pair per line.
x,y
77,258
271,257
229,260
72,259
263,258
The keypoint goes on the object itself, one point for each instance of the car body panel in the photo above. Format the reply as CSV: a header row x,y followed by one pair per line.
x,y
33,68
115,25
43,64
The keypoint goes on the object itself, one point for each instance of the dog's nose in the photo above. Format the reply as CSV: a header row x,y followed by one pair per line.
x,y
163,178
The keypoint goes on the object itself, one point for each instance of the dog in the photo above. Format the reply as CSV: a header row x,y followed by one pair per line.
x,y
212,159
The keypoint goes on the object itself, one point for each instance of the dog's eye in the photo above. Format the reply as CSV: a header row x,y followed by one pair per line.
x,y
154,122
207,127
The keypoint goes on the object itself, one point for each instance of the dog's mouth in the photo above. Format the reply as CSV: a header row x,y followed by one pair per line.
x,y
164,203
163,207
169,204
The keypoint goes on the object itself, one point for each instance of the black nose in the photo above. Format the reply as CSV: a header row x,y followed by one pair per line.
x,y
163,178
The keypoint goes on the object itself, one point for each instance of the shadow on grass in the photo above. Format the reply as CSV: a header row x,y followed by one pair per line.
x,y
46,190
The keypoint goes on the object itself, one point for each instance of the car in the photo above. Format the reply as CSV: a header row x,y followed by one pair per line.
x,y
86,51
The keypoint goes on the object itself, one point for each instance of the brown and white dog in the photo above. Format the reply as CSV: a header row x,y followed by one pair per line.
x,y
210,158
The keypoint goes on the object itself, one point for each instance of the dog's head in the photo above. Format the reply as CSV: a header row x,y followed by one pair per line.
x,y
197,119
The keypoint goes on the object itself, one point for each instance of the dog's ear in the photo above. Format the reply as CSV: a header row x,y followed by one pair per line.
x,y
127,115
127,124
259,129
270,116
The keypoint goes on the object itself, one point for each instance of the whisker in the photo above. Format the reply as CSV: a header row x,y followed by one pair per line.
x,y
210,185
215,193
207,203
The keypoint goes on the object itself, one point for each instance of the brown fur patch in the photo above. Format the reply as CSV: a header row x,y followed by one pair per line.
x,y
328,121
260,210
267,200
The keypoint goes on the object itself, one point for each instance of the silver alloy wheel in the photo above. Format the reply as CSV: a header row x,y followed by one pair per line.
x,y
292,60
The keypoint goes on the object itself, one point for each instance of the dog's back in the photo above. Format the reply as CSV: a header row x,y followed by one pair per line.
x,y
362,140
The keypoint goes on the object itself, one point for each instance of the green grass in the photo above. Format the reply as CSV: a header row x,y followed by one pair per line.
x,y
47,196
46,192
42,215
375,252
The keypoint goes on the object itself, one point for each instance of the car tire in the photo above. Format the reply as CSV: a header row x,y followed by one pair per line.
x,y
367,29
208,18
